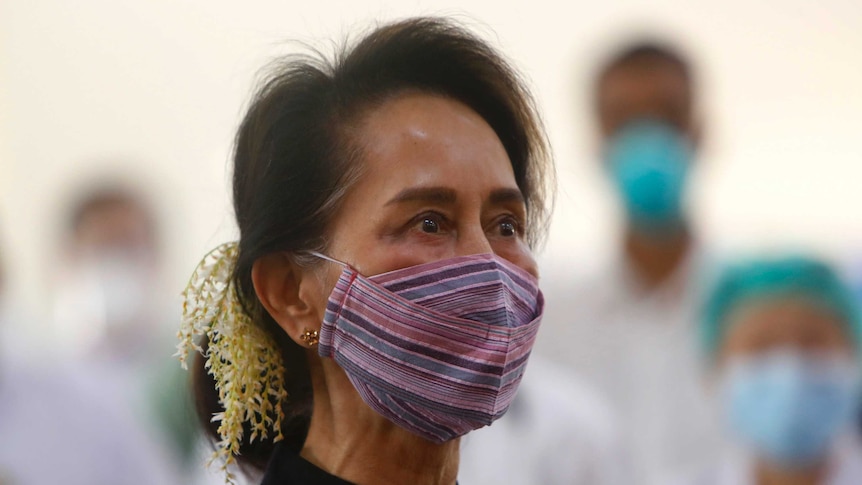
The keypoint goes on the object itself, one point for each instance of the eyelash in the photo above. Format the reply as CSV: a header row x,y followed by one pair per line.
x,y
512,219
443,222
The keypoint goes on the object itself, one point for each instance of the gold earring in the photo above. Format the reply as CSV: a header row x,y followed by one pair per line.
x,y
310,337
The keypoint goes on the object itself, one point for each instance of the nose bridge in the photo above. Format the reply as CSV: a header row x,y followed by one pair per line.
x,y
473,240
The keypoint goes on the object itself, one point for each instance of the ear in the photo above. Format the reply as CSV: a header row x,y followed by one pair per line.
x,y
291,294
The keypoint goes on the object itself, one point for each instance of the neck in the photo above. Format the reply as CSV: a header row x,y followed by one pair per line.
x,y
772,475
348,439
655,258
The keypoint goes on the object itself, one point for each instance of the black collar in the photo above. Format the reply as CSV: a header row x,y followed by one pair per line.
x,y
288,468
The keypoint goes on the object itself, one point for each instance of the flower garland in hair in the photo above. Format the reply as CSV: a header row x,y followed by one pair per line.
x,y
242,357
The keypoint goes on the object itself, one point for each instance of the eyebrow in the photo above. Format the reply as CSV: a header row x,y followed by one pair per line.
x,y
442,195
439,195
506,196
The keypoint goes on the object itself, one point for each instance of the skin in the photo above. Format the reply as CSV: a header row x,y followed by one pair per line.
x,y
785,323
649,88
119,224
436,184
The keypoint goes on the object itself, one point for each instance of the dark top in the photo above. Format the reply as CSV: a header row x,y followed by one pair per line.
x,y
288,468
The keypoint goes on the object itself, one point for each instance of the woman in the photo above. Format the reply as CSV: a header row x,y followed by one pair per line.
x,y
784,338
382,299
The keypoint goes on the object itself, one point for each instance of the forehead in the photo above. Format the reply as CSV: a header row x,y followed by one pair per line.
x,y
783,317
114,223
421,139
645,87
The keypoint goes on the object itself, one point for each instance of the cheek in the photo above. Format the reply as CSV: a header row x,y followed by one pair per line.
x,y
320,285
389,257
520,255
735,343
372,255
838,344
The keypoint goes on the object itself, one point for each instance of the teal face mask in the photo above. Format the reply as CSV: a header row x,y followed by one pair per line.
x,y
649,163
788,407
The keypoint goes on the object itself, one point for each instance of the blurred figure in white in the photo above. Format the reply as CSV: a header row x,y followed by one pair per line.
x,y
58,425
782,337
556,432
106,301
114,317
627,330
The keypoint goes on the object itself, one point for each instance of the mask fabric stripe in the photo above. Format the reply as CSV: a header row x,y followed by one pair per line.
x,y
440,348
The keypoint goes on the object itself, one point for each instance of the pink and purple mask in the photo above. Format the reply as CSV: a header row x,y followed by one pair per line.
x,y
438,348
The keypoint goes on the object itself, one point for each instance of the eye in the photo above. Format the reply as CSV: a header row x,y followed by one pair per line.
x,y
429,226
429,223
508,226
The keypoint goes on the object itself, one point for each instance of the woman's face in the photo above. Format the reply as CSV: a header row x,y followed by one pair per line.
x,y
436,183
795,324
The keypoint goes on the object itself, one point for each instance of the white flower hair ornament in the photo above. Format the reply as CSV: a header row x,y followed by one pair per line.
x,y
241,356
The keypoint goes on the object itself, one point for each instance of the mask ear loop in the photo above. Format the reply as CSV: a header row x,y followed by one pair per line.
x,y
327,258
353,274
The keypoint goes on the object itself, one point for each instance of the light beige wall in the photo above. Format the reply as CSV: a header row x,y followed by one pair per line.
x,y
153,90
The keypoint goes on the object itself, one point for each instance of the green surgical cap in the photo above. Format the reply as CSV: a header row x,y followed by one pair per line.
x,y
768,278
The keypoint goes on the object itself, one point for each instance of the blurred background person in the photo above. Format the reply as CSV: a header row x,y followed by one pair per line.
x,y
108,85
106,302
782,337
628,328
112,318
58,426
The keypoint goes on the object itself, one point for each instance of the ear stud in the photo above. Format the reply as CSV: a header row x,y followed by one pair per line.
x,y
310,337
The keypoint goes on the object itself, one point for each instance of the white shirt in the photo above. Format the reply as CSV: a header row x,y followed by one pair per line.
x,y
556,432
57,427
639,349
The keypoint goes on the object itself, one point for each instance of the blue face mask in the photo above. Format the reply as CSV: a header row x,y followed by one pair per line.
x,y
789,407
649,162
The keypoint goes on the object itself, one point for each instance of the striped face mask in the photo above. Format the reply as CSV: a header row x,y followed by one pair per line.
x,y
439,348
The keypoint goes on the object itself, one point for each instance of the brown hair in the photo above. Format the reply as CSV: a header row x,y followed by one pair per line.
x,y
642,52
294,160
